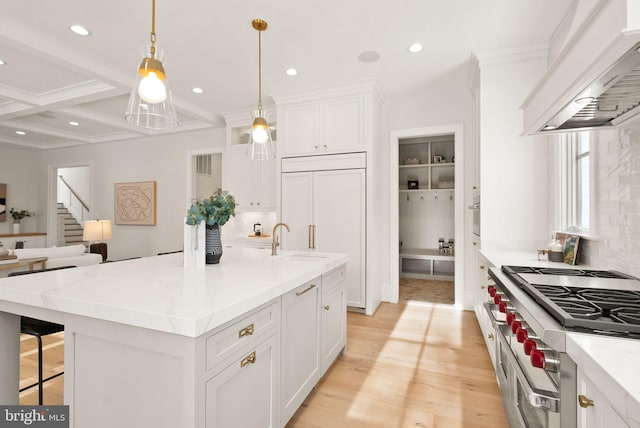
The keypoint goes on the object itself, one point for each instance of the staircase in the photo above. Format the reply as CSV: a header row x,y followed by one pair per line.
x,y
69,230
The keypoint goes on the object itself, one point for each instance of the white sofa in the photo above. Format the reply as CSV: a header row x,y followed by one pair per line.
x,y
71,255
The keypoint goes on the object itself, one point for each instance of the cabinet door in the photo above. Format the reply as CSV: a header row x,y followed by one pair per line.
x,y
340,223
299,130
342,125
300,345
251,182
244,393
266,184
600,414
241,178
297,190
334,323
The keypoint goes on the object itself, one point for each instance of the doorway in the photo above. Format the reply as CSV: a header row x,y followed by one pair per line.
x,y
426,199
70,200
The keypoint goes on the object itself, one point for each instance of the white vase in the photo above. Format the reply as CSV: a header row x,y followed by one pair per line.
x,y
194,245
16,228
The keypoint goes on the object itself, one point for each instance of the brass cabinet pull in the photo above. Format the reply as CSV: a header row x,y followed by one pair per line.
x,y
300,293
490,336
247,331
313,245
310,226
475,243
584,401
249,359
482,267
482,287
326,308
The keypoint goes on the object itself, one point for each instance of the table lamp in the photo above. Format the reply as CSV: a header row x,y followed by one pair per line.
x,y
97,231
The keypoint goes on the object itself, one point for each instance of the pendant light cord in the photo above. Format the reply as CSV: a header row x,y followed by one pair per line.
x,y
153,28
259,70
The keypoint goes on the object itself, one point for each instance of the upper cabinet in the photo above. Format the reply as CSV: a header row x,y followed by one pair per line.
x,y
594,55
251,182
327,122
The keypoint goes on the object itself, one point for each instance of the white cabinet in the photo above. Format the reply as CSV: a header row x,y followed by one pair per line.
x,y
300,345
252,183
322,127
334,317
325,209
242,394
594,410
242,371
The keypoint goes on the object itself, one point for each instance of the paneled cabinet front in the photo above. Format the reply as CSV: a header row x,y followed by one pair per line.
x,y
252,183
594,410
326,212
323,127
300,345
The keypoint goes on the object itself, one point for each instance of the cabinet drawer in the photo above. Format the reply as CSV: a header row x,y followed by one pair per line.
x,y
332,280
243,332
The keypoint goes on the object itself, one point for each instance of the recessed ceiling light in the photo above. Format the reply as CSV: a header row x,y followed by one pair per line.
x,y
21,133
72,123
415,48
79,30
369,56
197,90
291,72
2,62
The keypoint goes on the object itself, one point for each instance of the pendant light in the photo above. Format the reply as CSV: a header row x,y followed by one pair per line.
x,y
260,143
150,103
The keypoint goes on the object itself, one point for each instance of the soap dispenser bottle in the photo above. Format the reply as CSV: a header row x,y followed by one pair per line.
x,y
555,250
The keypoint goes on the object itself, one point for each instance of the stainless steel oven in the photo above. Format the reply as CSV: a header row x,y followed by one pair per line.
x,y
533,371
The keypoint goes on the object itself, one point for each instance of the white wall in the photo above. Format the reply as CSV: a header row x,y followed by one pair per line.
x,y
79,179
23,192
162,159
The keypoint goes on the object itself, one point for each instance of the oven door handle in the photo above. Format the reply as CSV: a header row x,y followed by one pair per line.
x,y
537,399
488,307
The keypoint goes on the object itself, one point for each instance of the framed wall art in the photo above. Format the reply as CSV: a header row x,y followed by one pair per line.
x,y
3,202
135,203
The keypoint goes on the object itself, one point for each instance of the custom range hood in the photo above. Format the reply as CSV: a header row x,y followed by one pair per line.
x,y
594,81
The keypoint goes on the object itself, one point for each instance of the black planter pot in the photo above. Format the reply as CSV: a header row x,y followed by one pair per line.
x,y
213,245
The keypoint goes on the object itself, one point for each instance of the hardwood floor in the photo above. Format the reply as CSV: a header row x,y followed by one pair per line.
x,y
53,362
413,364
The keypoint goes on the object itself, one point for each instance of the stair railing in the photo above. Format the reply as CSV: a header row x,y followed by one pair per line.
x,y
70,199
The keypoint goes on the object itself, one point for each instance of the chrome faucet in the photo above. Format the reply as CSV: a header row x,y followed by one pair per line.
x,y
274,242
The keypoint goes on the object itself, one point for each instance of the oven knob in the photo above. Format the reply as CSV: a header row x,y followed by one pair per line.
x,y
511,317
491,290
530,345
498,298
515,325
541,360
504,307
522,335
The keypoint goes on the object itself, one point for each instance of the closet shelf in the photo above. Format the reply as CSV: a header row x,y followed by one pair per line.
x,y
426,254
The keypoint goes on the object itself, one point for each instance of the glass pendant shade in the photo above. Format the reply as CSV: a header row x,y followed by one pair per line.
x,y
150,104
260,143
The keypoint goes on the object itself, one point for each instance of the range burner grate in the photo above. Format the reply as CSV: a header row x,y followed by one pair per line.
x,y
612,297
626,315
579,308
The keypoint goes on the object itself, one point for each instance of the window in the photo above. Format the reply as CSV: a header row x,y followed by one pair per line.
x,y
577,181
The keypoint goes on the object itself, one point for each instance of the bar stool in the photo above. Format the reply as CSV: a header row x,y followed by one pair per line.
x,y
39,328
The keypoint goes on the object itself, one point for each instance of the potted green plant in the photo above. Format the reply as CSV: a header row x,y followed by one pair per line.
x,y
17,216
214,211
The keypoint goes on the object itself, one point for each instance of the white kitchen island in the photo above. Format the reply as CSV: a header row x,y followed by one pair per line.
x,y
150,343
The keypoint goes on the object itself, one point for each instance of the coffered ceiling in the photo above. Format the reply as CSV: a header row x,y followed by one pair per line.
x,y
53,77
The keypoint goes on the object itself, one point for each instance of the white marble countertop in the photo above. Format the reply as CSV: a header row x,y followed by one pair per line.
x,y
160,294
611,363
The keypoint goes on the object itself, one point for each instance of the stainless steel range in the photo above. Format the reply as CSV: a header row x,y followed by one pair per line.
x,y
532,308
